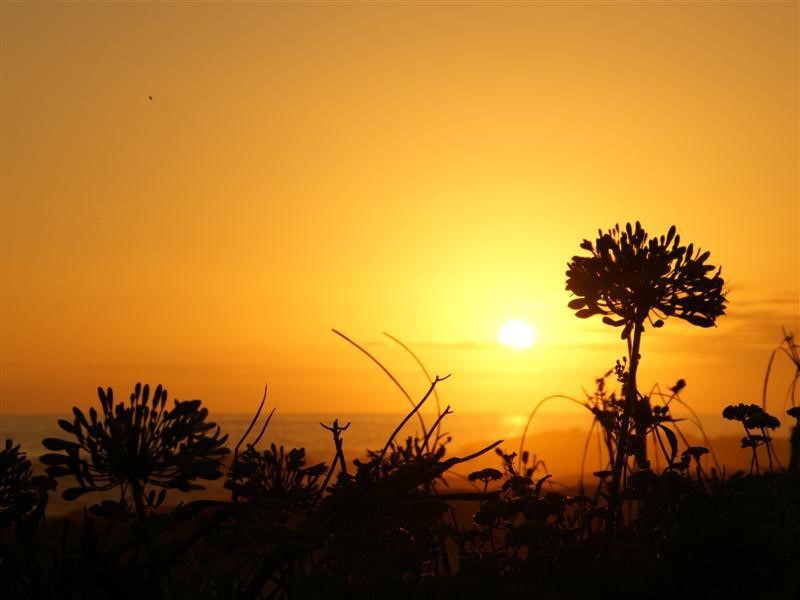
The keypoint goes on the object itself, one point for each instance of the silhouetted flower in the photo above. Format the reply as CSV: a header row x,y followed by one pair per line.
x,y
762,420
661,414
740,412
138,444
679,385
634,279
695,452
754,441
485,475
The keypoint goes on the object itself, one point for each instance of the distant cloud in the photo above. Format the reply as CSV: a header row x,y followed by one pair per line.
x,y
462,345
475,345
777,300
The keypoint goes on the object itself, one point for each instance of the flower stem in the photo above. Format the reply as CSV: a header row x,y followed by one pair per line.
x,y
631,397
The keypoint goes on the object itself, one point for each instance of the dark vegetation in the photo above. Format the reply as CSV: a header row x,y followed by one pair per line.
x,y
665,524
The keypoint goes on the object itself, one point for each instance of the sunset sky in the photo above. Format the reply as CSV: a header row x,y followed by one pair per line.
x,y
425,169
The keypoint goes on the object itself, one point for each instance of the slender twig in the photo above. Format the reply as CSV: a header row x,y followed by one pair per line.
x,y
421,366
456,460
387,372
336,430
586,451
766,379
263,428
250,427
234,470
697,422
667,455
414,411
533,414
436,427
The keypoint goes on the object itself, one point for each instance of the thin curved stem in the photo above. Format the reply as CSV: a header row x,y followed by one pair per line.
x,y
533,414
388,374
425,371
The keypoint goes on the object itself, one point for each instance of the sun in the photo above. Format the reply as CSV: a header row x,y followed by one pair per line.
x,y
516,334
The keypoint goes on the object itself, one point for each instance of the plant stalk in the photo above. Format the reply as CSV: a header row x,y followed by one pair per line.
x,y
631,398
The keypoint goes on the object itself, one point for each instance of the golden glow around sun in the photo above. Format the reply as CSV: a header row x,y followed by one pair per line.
x,y
516,334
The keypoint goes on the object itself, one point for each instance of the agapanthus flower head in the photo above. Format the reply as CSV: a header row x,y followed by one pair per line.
x,y
630,278
142,442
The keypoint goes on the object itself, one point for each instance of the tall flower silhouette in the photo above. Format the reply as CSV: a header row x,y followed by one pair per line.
x,y
630,280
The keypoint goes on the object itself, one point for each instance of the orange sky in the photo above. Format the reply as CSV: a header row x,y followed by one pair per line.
x,y
426,169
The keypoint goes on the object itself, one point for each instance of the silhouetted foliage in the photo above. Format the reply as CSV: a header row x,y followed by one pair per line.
x,y
23,495
791,350
386,528
276,475
23,501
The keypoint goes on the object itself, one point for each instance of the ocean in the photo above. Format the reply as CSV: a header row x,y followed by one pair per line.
x,y
558,437
367,431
